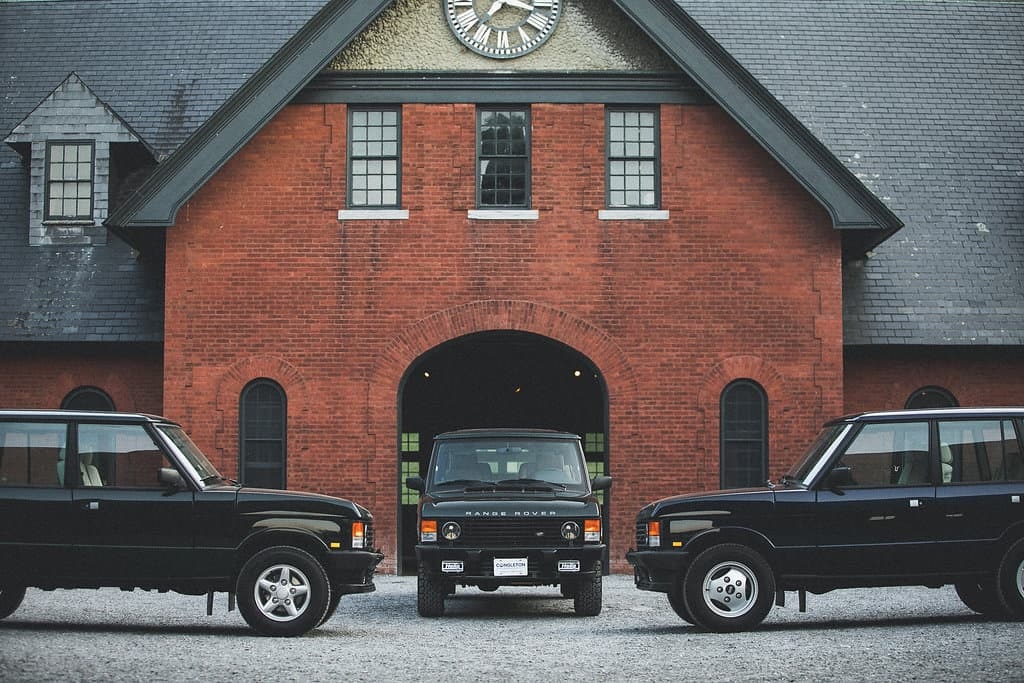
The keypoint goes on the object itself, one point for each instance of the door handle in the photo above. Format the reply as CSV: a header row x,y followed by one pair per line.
x,y
915,503
91,505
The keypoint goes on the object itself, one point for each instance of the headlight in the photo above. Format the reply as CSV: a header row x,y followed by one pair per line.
x,y
570,531
358,535
592,530
428,531
451,531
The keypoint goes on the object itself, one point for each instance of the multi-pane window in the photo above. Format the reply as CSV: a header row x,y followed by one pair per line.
x,y
632,147
69,180
744,433
263,423
503,158
374,157
931,397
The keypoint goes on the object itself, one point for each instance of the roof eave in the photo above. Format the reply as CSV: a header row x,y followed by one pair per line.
x,y
261,97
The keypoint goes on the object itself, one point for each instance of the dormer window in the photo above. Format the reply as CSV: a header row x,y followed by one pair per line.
x,y
69,181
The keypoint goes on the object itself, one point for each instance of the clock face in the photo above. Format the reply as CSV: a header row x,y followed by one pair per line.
x,y
502,29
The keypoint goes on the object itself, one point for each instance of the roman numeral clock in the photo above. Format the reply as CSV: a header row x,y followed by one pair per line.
x,y
502,29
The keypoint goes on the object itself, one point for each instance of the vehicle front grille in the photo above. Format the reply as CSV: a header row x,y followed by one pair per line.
x,y
512,533
368,530
641,533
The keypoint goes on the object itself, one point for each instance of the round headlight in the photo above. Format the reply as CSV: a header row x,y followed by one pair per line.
x,y
570,531
451,530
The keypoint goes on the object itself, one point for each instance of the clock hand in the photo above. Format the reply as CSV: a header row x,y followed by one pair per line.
x,y
520,4
498,4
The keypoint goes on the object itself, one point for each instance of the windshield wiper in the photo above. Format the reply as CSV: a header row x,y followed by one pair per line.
x,y
530,483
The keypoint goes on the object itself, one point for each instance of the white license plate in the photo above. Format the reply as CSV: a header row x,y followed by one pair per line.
x,y
510,566
451,566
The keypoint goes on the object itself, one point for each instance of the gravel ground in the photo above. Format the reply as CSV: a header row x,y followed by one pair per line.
x,y
527,634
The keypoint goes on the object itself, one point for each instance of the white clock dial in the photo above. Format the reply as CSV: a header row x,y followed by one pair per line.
x,y
502,29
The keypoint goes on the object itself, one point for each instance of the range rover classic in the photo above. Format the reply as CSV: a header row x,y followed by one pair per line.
x,y
90,500
930,497
509,507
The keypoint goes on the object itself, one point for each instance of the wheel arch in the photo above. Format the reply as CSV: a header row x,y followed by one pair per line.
x,y
269,538
738,535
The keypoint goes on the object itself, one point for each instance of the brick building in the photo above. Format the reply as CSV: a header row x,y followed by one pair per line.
x,y
320,232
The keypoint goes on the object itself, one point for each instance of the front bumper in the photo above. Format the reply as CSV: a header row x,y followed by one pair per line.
x,y
351,571
658,570
542,564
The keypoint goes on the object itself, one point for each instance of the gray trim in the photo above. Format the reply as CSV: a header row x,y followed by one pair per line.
x,y
506,88
245,113
848,202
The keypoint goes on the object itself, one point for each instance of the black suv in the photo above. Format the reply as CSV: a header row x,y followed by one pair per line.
x,y
509,507
107,499
881,499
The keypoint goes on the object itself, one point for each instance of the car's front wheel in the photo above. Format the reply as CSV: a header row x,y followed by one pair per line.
x,y
1010,580
10,599
678,603
430,594
587,600
729,587
283,591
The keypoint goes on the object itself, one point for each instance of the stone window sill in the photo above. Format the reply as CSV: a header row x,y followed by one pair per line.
x,y
503,214
373,215
633,215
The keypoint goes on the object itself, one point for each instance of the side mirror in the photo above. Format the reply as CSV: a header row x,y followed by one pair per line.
x,y
415,483
839,477
171,478
601,483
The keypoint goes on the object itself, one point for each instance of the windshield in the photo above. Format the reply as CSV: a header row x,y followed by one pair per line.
x,y
512,463
188,450
805,467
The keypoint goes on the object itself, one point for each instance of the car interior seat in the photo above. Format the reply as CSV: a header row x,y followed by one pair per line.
x,y
90,474
946,463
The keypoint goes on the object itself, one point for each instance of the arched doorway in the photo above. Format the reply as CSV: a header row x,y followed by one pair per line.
x,y
495,379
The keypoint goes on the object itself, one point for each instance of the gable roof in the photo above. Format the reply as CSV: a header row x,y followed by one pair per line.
x,y
847,201
924,101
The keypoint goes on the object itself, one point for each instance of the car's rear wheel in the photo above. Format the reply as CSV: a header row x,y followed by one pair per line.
x,y
430,593
1010,580
980,596
729,587
587,600
10,599
283,591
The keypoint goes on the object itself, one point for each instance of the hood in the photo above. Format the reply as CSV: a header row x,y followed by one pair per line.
x,y
726,502
510,509
297,503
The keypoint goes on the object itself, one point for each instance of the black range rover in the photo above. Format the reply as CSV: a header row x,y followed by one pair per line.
x,y
109,499
509,507
927,498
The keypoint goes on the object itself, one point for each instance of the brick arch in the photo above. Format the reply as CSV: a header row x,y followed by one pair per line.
x,y
112,383
229,389
721,375
402,350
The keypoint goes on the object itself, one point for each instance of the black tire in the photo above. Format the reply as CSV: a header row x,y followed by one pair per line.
x,y
1010,581
981,597
675,599
729,588
10,599
332,606
587,600
430,594
283,591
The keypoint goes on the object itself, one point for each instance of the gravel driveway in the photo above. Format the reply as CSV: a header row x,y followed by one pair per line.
x,y
527,634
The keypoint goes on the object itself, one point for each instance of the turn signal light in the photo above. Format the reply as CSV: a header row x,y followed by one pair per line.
x,y
358,535
428,531
653,534
592,530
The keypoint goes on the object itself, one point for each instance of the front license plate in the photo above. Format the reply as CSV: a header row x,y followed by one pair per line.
x,y
451,566
510,566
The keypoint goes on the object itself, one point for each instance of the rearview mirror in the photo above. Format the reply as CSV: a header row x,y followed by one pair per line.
x,y
415,483
171,478
839,477
601,483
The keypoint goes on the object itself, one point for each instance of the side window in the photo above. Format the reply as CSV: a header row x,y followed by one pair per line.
x,y
979,450
124,456
503,158
374,157
32,454
263,423
744,434
633,163
889,455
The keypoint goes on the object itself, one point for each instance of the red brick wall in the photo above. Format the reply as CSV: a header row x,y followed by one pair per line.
x,y
883,379
264,281
41,376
